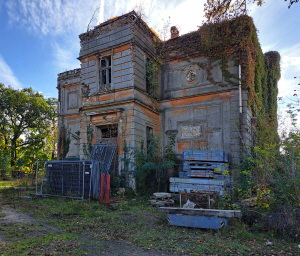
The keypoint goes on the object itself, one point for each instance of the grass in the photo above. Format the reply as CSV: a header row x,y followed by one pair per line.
x,y
80,226
7,184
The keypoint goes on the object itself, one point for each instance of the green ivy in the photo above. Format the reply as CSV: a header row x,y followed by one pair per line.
x,y
152,77
63,142
88,147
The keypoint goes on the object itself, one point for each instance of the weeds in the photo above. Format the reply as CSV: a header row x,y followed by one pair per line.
x,y
135,222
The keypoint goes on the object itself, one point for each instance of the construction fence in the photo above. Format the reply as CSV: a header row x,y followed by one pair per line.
x,y
78,179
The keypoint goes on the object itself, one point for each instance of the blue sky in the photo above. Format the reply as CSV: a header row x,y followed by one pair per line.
x,y
39,38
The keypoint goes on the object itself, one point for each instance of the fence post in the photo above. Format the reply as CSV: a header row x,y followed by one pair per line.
x,y
83,171
36,177
91,173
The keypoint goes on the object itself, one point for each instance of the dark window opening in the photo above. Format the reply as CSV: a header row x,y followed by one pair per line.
x,y
109,132
149,136
105,73
148,75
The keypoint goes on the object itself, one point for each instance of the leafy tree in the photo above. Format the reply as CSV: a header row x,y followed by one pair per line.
x,y
27,120
219,10
291,2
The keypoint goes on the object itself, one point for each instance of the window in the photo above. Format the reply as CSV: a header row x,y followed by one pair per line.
x,y
105,73
149,136
109,132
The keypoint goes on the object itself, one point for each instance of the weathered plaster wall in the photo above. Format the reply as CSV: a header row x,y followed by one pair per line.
x,y
182,78
139,65
69,103
209,122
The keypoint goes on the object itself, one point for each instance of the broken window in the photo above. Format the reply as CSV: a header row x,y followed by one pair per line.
x,y
105,73
109,132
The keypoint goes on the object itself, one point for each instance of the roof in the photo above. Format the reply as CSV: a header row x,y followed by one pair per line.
x,y
130,17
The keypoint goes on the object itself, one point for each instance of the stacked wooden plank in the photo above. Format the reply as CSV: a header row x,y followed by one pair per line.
x,y
161,199
203,171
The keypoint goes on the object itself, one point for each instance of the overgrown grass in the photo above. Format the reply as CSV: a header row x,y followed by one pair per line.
x,y
136,223
4,184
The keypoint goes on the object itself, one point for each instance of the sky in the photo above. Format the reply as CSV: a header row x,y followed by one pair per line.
x,y
39,38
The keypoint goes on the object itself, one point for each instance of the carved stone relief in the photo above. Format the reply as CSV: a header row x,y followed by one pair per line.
x,y
191,76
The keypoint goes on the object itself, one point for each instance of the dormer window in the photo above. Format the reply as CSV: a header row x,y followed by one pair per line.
x,y
105,73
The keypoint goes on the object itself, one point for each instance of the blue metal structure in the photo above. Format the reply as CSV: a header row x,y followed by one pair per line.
x,y
200,218
204,171
198,221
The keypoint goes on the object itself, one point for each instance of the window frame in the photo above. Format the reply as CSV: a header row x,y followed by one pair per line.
x,y
107,76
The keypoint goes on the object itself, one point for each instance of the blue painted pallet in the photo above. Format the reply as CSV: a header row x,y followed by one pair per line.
x,y
199,165
199,185
188,188
183,174
198,221
196,181
200,173
205,155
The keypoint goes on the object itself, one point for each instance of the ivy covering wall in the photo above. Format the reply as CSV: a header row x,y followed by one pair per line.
x,y
236,40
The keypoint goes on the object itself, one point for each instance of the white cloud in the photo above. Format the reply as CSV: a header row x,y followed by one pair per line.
x,y
7,76
65,56
51,17
187,15
290,68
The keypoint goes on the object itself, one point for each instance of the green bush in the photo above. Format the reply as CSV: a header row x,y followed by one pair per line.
x,y
151,168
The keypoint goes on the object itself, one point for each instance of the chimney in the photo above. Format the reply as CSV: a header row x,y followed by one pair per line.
x,y
174,32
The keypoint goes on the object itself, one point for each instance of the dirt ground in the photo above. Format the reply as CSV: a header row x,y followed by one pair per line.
x,y
10,217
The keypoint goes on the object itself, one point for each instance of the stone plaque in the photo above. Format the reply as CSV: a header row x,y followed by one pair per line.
x,y
191,131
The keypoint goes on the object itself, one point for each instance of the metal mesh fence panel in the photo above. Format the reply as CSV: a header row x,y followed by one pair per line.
x,y
67,179
76,178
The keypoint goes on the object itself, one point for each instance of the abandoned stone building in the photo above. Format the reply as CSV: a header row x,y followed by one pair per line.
x,y
132,86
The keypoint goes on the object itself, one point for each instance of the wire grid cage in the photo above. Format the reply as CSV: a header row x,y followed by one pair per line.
x,y
77,178
67,179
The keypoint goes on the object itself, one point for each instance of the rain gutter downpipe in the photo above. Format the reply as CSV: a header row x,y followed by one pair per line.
x,y
240,111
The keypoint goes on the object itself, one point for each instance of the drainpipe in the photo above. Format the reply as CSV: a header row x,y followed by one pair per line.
x,y
240,111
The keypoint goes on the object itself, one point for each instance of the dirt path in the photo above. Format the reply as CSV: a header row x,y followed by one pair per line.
x,y
88,246
12,216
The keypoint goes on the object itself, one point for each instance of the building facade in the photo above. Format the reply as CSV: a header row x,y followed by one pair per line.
x,y
132,86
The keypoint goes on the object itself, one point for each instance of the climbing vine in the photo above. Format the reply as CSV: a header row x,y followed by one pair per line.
x,y
63,143
234,40
152,77
88,146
